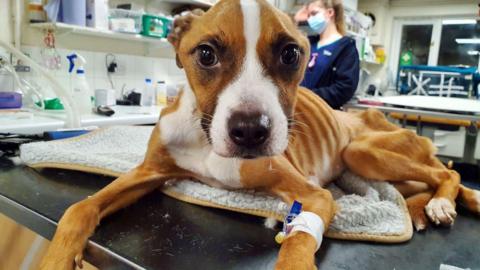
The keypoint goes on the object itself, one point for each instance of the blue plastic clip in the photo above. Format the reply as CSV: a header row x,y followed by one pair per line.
x,y
295,210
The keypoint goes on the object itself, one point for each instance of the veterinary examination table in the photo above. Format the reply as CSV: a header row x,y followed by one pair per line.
x,y
159,232
437,110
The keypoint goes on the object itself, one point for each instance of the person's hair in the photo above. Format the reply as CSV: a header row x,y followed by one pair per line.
x,y
337,6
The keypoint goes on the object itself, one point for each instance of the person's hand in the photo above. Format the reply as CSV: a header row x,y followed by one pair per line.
x,y
301,15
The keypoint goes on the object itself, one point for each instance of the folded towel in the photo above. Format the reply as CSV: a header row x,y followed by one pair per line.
x,y
368,210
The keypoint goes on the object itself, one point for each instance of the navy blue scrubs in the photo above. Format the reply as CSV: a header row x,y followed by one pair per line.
x,y
333,71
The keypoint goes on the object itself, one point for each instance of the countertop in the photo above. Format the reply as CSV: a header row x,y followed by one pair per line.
x,y
26,123
158,232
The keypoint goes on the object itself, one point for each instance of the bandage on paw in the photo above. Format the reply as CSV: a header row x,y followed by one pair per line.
x,y
305,221
310,223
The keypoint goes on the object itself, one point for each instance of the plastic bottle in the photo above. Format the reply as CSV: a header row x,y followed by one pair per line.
x,y
161,93
148,95
172,93
74,12
36,13
97,14
81,91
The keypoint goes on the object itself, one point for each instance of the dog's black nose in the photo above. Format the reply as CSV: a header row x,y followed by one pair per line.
x,y
248,129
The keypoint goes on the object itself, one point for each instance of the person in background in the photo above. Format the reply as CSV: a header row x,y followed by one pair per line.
x,y
333,69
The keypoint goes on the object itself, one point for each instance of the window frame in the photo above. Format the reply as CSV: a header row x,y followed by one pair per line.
x,y
435,41
397,39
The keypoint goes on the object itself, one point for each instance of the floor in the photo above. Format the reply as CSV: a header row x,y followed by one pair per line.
x,y
21,248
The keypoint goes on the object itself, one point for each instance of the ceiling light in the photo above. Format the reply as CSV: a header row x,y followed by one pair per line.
x,y
473,52
467,40
459,21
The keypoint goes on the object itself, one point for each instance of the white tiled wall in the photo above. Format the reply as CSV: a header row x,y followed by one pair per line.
x,y
132,71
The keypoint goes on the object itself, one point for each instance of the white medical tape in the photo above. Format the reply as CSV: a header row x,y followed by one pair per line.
x,y
310,223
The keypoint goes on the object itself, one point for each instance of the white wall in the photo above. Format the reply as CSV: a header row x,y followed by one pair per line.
x,y
397,9
134,72
5,20
6,82
136,59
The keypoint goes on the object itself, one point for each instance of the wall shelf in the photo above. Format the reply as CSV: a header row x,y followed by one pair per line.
x,y
202,3
62,28
370,62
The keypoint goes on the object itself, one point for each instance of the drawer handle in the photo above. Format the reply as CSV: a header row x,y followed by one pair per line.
x,y
440,134
440,145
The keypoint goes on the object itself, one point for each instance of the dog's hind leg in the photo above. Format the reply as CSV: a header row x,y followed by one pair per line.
x,y
410,188
417,195
470,199
416,207
401,155
79,221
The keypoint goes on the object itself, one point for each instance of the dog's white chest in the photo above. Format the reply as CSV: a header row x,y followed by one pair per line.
x,y
188,146
211,168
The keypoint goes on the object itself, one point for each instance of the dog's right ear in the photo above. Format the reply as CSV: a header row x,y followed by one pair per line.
x,y
181,25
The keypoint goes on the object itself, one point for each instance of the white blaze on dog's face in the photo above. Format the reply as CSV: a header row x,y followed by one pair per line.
x,y
244,60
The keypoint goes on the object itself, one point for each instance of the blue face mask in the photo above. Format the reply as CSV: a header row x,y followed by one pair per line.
x,y
317,23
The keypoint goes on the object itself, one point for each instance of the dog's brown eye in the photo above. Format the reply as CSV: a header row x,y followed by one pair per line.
x,y
290,55
206,56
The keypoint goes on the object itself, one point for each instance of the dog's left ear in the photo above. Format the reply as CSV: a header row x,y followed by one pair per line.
x,y
181,25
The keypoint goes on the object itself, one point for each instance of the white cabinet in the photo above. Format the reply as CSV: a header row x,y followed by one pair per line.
x,y
450,143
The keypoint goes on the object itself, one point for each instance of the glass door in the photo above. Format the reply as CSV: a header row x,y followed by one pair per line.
x,y
415,42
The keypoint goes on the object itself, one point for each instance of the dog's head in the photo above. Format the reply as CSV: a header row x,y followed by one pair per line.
x,y
244,60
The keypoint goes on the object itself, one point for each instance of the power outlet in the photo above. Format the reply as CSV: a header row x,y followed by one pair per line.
x,y
116,66
19,65
121,67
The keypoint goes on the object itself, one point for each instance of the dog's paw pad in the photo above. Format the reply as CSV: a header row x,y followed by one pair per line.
x,y
441,211
420,222
471,200
79,260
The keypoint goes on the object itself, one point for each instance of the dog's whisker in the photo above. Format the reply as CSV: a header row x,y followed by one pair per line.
x,y
298,131
299,123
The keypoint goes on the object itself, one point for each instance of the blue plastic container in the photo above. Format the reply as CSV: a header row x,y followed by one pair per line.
x,y
10,100
74,12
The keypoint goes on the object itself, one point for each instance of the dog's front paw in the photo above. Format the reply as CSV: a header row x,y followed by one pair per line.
x,y
441,211
66,249
297,252
58,260
61,255
297,264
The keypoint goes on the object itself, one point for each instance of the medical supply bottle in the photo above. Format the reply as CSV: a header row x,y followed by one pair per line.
x,y
161,93
81,91
148,95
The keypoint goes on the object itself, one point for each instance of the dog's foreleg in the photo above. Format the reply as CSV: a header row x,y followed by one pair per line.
x,y
298,249
279,177
79,221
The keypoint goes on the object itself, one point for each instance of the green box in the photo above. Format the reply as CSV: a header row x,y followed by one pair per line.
x,y
155,26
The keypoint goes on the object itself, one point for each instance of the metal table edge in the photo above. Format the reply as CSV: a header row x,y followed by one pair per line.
x,y
95,253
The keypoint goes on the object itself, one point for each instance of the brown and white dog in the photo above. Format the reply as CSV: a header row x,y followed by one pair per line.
x,y
243,122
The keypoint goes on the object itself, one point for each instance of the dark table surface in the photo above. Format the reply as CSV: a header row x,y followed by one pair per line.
x,y
158,232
